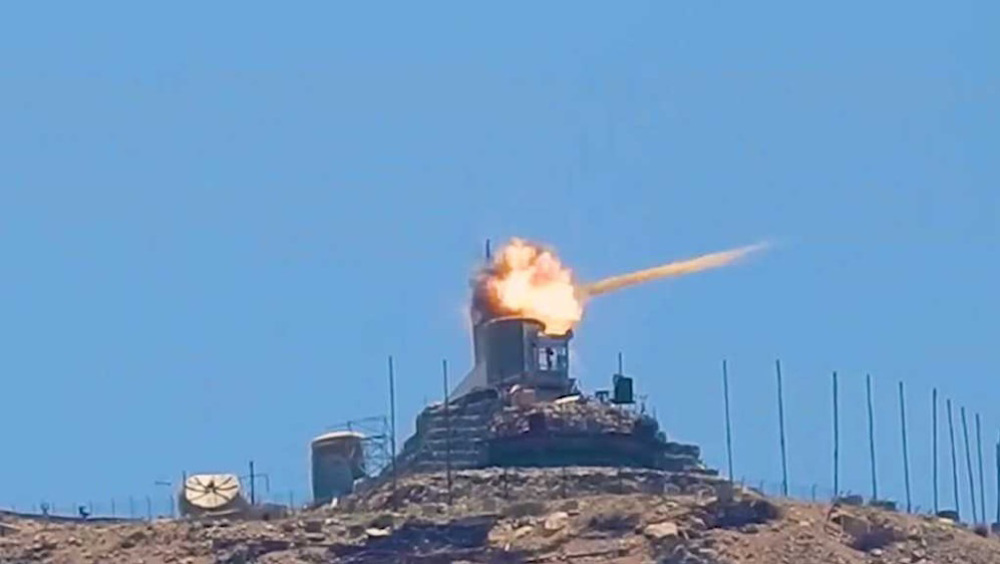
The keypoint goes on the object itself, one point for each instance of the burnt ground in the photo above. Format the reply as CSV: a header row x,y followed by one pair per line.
x,y
538,516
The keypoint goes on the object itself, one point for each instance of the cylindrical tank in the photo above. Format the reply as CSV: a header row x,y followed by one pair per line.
x,y
337,460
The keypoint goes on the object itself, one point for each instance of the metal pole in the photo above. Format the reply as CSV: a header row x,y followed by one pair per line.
x,y
836,439
871,437
982,483
906,452
934,462
392,415
968,465
781,429
621,364
253,486
447,424
998,482
954,460
729,427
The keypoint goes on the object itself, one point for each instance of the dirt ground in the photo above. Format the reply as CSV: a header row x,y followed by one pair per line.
x,y
580,516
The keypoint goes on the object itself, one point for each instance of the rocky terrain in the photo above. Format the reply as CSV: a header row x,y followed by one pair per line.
x,y
526,516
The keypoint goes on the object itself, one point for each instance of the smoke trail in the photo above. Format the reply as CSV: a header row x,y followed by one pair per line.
x,y
678,268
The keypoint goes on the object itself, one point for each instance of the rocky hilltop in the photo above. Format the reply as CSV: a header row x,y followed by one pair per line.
x,y
579,515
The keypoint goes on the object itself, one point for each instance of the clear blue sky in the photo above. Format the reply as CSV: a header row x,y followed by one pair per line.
x,y
216,220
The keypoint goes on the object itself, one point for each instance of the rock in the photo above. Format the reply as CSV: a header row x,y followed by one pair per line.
x,y
725,492
522,531
313,526
132,540
570,505
866,535
555,522
662,531
855,527
376,533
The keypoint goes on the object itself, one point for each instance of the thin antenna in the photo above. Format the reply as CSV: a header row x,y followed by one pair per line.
x,y
729,427
392,424
447,424
621,364
906,452
982,484
934,462
998,481
836,439
968,465
253,488
781,428
871,437
954,460
489,252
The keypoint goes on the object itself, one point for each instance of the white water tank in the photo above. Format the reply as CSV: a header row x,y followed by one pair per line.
x,y
338,459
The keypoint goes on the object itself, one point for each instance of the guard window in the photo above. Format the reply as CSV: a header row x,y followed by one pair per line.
x,y
555,359
546,358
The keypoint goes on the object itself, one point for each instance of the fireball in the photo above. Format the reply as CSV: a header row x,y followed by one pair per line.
x,y
528,280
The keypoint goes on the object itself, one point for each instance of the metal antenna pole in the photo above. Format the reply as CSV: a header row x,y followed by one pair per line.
x,y
729,426
906,452
998,482
836,439
447,424
934,462
253,487
982,483
968,465
954,460
871,437
781,429
392,424
621,364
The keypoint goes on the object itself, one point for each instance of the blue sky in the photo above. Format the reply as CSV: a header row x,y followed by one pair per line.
x,y
217,220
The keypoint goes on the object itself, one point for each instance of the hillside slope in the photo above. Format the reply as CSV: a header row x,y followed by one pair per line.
x,y
539,516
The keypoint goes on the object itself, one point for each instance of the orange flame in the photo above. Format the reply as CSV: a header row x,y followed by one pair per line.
x,y
528,280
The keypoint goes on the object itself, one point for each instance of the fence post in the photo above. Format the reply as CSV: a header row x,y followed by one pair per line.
x,y
836,439
906,452
871,437
729,426
781,427
968,465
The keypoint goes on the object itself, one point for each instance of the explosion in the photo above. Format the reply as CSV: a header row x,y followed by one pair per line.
x,y
528,280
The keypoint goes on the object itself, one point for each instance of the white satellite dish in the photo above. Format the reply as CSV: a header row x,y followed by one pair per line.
x,y
211,493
